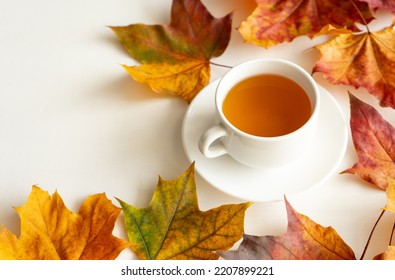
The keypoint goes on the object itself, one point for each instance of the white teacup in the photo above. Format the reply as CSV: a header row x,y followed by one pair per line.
x,y
260,151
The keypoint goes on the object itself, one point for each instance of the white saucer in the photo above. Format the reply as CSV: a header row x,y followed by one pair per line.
x,y
269,184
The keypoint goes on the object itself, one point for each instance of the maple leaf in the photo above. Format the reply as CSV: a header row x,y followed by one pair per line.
x,y
389,254
277,21
304,240
361,60
173,227
331,30
374,141
49,231
390,206
381,4
176,57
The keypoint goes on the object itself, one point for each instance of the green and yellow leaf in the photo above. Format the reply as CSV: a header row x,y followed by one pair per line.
x,y
173,227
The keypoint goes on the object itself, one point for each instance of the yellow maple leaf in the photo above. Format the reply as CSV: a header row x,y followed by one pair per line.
x,y
173,227
184,79
49,231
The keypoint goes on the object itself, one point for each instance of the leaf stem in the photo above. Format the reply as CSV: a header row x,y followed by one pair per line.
x,y
371,234
221,65
361,15
392,234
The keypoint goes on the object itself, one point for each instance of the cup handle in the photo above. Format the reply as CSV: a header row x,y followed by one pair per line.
x,y
207,140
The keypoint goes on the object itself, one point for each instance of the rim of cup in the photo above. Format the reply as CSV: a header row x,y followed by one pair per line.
x,y
309,78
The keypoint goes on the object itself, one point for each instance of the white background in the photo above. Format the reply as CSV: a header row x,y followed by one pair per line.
x,y
72,120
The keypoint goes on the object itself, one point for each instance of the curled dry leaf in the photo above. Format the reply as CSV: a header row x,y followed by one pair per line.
x,y
362,60
176,57
277,21
304,240
49,231
173,227
374,141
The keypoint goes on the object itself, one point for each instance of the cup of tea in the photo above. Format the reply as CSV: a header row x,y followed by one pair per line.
x,y
267,111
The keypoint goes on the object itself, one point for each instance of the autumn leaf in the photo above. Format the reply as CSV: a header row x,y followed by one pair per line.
x,y
304,240
173,227
389,254
331,30
374,141
362,60
176,57
49,231
381,4
390,196
277,21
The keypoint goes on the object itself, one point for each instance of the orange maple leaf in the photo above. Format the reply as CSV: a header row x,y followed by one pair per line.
x,y
49,231
390,206
389,254
277,21
374,141
304,240
362,60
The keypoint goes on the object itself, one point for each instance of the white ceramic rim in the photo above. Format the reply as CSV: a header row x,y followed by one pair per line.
x,y
309,78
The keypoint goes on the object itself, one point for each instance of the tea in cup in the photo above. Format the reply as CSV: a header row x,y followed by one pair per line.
x,y
267,111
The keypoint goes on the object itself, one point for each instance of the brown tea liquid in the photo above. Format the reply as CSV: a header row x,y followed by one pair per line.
x,y
267,105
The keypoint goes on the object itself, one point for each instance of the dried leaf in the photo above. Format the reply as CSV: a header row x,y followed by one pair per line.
x,y
387,5
389,254
374,141
176,56
331,30
49,231
173,227
277,21
8,248
362,60
304,240
390,206
171,78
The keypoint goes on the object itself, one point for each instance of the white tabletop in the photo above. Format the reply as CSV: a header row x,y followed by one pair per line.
x,y
72,120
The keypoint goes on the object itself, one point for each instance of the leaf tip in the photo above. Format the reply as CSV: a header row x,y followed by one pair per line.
x,y
352,97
